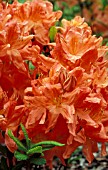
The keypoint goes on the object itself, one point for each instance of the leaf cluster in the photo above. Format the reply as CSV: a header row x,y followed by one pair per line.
x,y
30,154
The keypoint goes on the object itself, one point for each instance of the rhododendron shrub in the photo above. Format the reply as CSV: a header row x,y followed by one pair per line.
x,y
58,90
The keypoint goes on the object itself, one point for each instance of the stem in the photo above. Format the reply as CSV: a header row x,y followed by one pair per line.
x,y
28,167
10,157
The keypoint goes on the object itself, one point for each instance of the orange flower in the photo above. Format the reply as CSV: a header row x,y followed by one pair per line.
x,y
64,93
76,45
36,18
72,89
11,43
75,22
62,96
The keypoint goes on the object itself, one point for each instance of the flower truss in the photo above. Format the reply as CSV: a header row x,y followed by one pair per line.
x,y
59,89
94,12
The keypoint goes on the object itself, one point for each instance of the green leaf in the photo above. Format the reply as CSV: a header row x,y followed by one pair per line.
x,y
76,8
65,4
37,149
31,66
20,156
17,141
26,135
47,147
104,3
38,161
56,7
53,143
22,1
52,33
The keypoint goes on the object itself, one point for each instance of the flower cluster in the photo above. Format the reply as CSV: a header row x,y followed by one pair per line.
x,y
94,12
59,89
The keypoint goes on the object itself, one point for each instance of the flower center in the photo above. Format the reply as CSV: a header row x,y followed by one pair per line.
x,y
57,101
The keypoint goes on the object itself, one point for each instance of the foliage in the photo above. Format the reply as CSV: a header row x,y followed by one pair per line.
x,y
53,79
29,154
52,33
68,12
104,4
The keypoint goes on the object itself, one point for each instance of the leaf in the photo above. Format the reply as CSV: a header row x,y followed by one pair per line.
x,y
76,8
60,135
26,135
20,156
31,66
17,141
37,149
65,4
52,33
38,161
104,3
48,147
22,1
53,143
56,7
